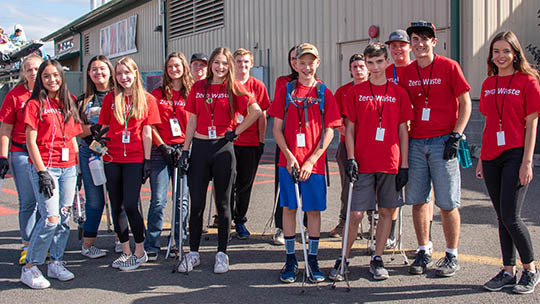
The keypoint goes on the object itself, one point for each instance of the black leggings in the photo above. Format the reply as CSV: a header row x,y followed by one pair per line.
x,y
124,182
246,170
502,181
210,159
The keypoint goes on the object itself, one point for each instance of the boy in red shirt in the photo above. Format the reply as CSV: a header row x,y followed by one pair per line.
x,y
359,73
441,108
249,146
377,113
303,147
400,50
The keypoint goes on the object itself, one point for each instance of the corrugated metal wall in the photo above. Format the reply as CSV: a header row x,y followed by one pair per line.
x,y
148,56
482,20
278,24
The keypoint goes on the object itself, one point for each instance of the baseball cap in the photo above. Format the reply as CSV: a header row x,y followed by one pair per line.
x,y
419,26
398,35
355,57
306,48
199,56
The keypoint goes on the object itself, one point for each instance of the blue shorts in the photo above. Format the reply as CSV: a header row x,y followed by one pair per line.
x,y
312,192
427,167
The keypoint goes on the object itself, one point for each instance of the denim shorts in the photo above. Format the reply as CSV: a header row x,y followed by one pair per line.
x,y
312,192
427,167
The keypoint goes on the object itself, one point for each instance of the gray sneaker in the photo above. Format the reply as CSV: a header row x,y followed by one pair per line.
x,y
134,262
421,263
120,260
93,252
447,266
334,273
278,237
500,281
376,268
527,282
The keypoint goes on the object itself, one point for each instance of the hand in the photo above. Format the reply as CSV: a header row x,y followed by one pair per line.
x,y
294,175
46,184
147,169
230,135
79,181
183,163
402,178
451,146
4,167
479,170
305,170
168,154
261,149
352,170
292,163
525,173
99,134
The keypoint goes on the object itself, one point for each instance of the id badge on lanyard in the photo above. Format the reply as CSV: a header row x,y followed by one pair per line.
x,y
212,132
300,140
65,154
175,127
379,136
425,114
126,136
500,139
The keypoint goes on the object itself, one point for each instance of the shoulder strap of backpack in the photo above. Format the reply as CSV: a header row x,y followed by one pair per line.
x,y
321,88
291,85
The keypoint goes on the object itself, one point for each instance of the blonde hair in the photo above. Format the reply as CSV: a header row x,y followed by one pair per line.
x,y
138,94
22,78
242,52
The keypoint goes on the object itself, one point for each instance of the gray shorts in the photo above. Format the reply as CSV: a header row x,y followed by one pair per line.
x,y
372,189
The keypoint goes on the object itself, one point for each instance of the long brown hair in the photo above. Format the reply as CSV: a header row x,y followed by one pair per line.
x,y
40,93
91,86
22,78
186,79
138,95
520,62
232,87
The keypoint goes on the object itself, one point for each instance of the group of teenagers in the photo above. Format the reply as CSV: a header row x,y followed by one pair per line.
x,y
400,125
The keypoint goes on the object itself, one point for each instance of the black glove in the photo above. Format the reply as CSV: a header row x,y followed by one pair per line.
x,y
147,169
294,174
451,146
168,154
352,170
230,135
402,178
4,167
46,184
79,181
261,149
99,134
183,162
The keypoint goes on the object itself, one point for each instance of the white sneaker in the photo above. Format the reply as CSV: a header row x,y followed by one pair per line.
x,y
57,270
222,262
278,237
192,259
134,262
120,260
93,252
33,278
117,246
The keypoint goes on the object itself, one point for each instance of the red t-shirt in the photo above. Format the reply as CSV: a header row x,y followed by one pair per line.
x,y
341,100
395,107
281,82
169,109
12,113
390,72
132,152
521,99
332,119
53,134
197,104
257,90
446,84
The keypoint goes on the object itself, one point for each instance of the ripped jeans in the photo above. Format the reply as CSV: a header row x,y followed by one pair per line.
x,y
48,236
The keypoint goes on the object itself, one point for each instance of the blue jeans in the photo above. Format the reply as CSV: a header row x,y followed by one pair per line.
x,y
159,184
427,167
28,206
48,236
95,202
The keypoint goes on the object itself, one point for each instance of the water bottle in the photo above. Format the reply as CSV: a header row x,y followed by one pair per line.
x,y
464,154
97,171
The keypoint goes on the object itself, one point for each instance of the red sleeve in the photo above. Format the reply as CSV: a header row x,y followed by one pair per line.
x,y
8,111
190,103
531,96
459,83
349,103
332,116
406,113
481,106
277,108
264,100
106,110
31,114
153,111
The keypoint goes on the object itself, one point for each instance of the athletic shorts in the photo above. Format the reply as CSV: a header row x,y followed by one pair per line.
x,y
312,192
373,189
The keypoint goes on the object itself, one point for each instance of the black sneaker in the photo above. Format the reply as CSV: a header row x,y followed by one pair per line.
x,y
289,271
315,274
500,281
335,274
447,266
527,282
376,268
421,263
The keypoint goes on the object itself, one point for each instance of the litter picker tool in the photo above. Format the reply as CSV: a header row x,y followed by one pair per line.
x,y
173,216
342,270
180,256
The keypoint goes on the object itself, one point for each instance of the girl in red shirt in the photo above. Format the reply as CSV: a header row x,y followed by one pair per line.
x,y
510,100
13,128
168,138
130,112
52,123
212,104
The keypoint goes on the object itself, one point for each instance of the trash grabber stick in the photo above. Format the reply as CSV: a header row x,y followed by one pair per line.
x,y
173,216
342,267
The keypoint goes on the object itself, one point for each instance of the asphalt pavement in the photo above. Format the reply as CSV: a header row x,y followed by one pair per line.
x,y
255,263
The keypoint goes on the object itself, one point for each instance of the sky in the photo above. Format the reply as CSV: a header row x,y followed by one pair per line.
x,y
40,17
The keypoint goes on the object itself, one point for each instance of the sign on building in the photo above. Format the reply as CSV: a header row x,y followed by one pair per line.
x,y
118,39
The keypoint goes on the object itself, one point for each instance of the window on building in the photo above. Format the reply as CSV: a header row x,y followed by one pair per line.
x,y
187,17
